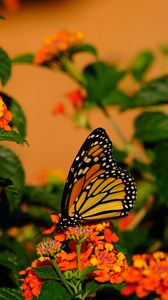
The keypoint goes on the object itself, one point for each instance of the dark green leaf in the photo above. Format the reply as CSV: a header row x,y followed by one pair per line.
x,y
8,259
154,92
18,119
141,64
54,291
86,271
93,287
25,58
151,126
160,168
2,18
5,67
144,189
11,136
12,170
101,80
119,155
82,48
13,245
46,273
42,197
10,294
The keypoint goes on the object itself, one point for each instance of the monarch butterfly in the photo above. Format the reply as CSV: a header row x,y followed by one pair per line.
x,y
96,188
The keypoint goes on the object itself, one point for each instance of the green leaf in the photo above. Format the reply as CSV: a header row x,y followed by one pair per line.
x,y
18,120
119,155
151,126
11,244
10,294
46,273
42,197
8,259
154,92
101,80
82,48
164,49
141,64
160,168
94,287
5,67
86,271
2,18
24,58
54,291
12,136
12,170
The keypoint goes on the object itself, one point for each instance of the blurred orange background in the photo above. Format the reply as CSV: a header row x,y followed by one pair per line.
x,y
119,29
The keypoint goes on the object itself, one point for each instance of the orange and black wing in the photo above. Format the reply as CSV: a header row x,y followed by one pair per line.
x,y
96,188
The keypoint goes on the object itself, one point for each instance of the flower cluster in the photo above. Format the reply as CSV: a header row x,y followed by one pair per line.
x,y
58,44
148,274
97,249
5,116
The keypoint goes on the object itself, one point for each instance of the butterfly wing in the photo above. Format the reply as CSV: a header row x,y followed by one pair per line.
x,y
96,188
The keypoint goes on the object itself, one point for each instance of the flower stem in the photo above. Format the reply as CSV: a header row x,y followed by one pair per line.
x,y
125,142
70,67
78,248
61,276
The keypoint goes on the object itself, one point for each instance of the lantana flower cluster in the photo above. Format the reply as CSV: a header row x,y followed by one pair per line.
x,y
98,248
5,116
58,44
148,274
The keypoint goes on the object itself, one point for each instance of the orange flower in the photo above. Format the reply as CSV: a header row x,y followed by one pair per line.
x,y
148,274
59,109
31,284
5,116
58,44
97,248
76,97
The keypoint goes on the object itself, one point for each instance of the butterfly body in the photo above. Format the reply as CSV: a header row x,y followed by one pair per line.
x,y
96,188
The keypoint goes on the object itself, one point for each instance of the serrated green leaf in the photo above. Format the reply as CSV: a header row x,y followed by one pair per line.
x,y
54,291
160,168
46,273
24,58
141,64
11,136
154,92
101,79
86,271
5,67
82,48
18,119
10,294
8,259
12,170
151,126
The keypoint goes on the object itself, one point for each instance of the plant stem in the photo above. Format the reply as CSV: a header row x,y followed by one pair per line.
x,y
113,124
125,142
78,248
61,276
70,67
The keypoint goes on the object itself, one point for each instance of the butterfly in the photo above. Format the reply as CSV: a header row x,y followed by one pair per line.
x,y
96,188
